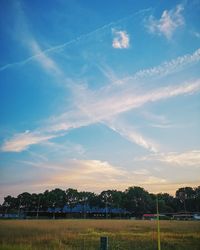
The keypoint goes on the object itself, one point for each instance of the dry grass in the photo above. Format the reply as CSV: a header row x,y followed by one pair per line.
x,y
85,234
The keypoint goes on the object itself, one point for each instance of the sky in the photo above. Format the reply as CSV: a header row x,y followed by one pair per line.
x,y
98,95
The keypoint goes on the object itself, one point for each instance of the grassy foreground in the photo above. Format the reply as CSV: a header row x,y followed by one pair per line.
x,y
85,234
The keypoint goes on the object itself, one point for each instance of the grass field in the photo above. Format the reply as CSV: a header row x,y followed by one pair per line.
x,y
85,234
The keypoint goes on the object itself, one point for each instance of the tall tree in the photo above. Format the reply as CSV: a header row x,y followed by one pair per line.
x,y
166,203
197,199
10,204
72,197
137,200
185,197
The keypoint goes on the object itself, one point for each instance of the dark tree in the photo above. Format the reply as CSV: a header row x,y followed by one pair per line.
x,y
137,200
72,197
134,199
185,197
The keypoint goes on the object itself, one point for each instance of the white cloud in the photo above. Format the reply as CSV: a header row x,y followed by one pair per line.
x,y
185,159
93,175
128,132
46,62
168,23
169,67
67,148
107,72
97,167
27,39
164,69
96,106
101,106
104,104
22,141
62,46
121,40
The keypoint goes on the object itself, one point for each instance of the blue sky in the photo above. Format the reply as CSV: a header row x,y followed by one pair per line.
x,y
99,95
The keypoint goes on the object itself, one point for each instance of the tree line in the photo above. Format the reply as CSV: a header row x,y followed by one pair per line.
x,y
134,200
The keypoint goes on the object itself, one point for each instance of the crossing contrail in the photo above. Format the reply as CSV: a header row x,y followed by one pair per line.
x,y
73,41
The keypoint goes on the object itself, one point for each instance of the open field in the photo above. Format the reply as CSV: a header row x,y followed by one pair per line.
x,y
85,234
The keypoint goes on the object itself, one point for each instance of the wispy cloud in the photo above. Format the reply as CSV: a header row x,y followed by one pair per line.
x,y
94,175
46,62
121,39
127,131
97,106
164,69
22,141
168,23
170,66
185,159
160,121
91,175
78,39
100,106
67,148
107,72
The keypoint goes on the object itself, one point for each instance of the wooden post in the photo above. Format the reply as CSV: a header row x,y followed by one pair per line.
x,y
104,243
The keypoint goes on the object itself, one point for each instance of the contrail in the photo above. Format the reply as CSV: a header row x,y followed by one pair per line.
x,y
73,41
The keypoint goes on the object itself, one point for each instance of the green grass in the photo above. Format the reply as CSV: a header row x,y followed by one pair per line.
x,y
85,234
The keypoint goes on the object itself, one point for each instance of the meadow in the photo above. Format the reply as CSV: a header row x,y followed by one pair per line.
x,y
85,234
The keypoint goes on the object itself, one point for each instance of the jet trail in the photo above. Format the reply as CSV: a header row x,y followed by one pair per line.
x,y
73,41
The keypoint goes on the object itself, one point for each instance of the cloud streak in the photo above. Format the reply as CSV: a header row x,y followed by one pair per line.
x,y
185,159
170,66
168,23
102,104
128,132
23,141
97,107
46,62
94,175
80,38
